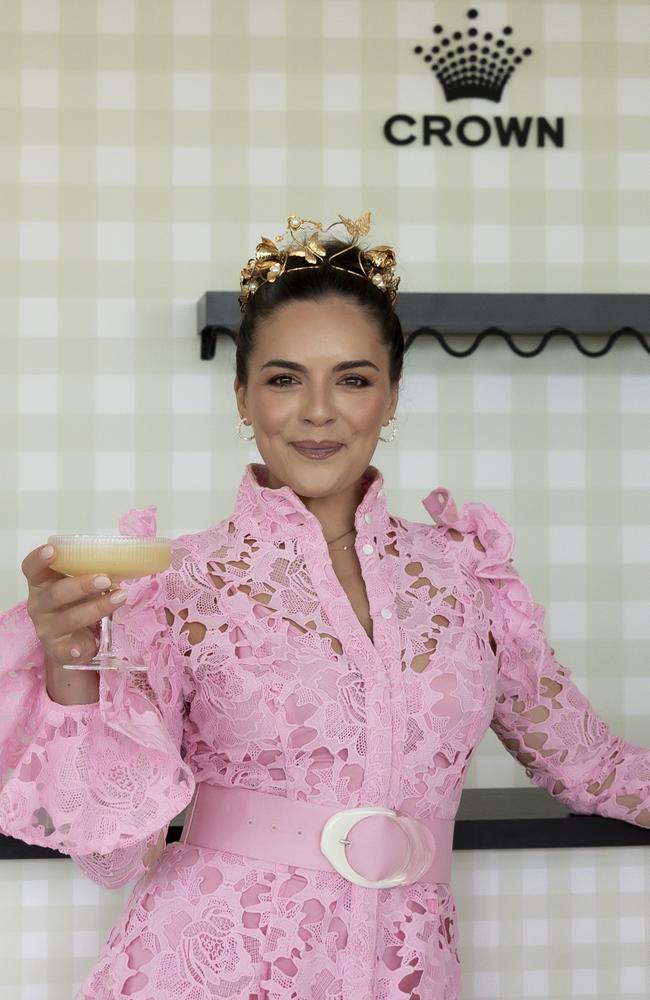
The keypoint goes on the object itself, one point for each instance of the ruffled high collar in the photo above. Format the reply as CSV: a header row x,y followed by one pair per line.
x,y
279,512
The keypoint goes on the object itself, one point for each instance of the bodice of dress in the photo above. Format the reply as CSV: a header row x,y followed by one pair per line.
x,y
287,693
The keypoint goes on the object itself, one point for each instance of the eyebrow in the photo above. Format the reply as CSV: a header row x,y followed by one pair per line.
x,y
342,366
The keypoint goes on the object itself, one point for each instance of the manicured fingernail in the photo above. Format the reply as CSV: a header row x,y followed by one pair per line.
x,y
47,551
102,582
119,595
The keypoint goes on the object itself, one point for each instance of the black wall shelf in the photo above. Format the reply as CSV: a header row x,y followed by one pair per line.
x,y
593,322
487,819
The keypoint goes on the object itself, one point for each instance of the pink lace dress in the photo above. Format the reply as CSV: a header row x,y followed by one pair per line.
x,y
260,675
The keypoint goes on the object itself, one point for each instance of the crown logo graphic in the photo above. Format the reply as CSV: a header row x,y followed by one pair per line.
x,y
471,65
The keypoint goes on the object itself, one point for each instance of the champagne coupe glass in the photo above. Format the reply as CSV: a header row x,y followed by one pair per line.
x,y
119,557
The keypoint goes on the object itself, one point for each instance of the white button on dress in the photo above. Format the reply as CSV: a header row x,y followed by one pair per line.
x,y
368,518
368,549
386,613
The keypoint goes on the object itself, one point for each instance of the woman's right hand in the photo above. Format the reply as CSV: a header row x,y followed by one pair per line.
x,y
65,610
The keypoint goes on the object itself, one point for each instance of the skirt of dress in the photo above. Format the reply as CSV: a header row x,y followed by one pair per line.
x,y
203,924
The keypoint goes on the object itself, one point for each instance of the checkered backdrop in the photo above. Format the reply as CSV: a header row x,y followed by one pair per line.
x,y
145,148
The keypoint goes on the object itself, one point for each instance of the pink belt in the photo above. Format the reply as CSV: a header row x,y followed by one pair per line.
x,y
372,846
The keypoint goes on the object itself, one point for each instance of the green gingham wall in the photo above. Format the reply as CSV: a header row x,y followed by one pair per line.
x,y
145,147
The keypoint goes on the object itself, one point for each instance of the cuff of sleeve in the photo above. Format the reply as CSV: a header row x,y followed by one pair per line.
x,y
82,778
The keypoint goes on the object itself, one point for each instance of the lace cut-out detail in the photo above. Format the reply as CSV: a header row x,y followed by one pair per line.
x,y
260,675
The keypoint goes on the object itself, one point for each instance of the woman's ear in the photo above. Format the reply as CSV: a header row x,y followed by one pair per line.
x,y
240,395
394,398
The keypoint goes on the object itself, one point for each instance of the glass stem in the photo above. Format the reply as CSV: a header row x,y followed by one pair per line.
x,y
106,637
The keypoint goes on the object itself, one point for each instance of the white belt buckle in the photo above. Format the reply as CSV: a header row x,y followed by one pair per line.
x,y
333,842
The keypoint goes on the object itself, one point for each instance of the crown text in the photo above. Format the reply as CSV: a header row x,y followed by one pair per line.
x,y
473,130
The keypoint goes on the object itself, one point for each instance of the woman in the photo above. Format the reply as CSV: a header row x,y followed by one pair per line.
x,y
309,655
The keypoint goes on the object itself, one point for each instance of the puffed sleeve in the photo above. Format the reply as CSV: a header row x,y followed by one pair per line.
x,y
540,716
99,782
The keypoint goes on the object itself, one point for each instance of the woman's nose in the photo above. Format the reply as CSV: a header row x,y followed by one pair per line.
x,y
318,405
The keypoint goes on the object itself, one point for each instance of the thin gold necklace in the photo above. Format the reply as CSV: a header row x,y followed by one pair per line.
x,y
343,547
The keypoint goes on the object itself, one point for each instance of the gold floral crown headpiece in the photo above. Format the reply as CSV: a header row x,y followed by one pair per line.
x,y
376,264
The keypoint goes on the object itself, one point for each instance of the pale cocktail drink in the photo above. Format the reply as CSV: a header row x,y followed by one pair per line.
x,y
119,557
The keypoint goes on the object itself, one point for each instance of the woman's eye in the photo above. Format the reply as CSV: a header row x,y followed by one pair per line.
x,y
356,379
